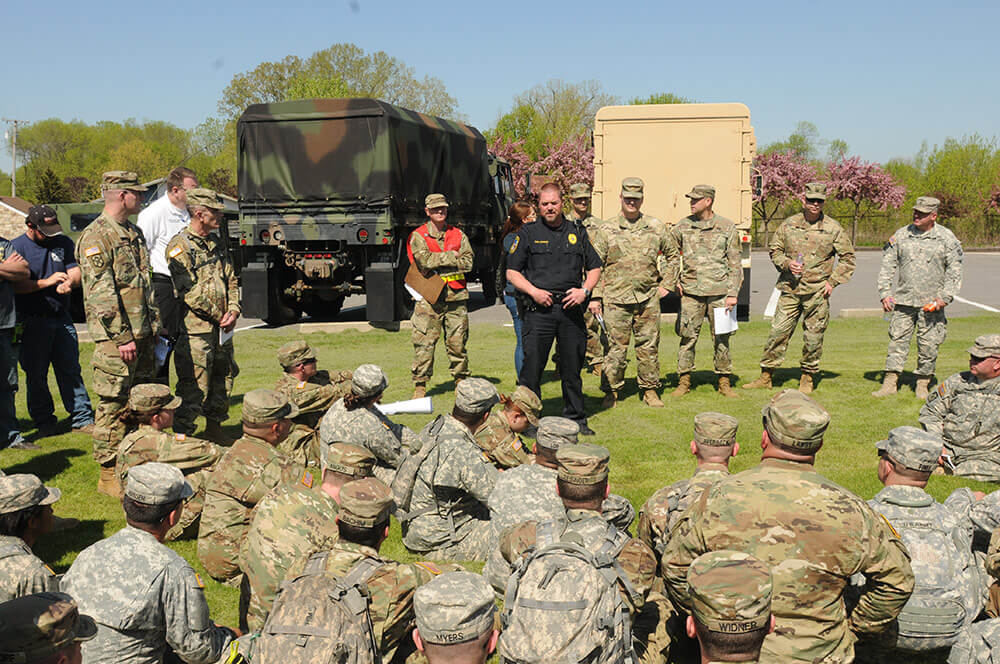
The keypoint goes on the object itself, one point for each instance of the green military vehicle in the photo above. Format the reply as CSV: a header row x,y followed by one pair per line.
x,y
330,190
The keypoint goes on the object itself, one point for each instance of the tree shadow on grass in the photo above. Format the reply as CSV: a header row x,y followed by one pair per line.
x,y
47,465
56,545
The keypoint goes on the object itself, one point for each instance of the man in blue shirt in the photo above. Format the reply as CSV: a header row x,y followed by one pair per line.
x,y
49,336
13,269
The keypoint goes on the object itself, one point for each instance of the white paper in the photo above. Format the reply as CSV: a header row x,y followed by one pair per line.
x,y
161,350
225,336
413,293
772,304
725,321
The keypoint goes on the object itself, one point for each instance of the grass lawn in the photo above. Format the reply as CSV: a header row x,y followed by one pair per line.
x,y
649,446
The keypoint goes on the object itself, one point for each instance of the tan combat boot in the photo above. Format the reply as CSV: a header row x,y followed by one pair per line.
x,y
419,391
652,399
923,387
597,369
764,382
108,483
683,385
806,383
610,399
726,388
890,383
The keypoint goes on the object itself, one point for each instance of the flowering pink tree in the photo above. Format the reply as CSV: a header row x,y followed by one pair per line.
x,y
783,177
566,163
513,153
992,202
867,185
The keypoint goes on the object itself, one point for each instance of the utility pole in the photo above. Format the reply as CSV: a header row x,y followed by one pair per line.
x,y
13,154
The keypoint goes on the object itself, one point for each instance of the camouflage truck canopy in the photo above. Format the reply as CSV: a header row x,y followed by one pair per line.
x,y
358,153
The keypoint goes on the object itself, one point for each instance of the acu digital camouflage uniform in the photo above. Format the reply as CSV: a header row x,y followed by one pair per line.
x,y
21,572
34,628
978,643
597,340
206,284
917,268
811,532
505,448
118,298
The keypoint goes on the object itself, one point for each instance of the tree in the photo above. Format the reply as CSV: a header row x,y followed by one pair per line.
x,y
569,162
783,178
50,189
867,185
304,86
963,170
513,153
837,149
524,127
992,202
661,98
804,142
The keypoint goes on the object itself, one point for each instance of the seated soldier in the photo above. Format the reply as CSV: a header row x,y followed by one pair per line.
x,y
979,643
25,515
150,413
355,419
43,628
499,436
456,619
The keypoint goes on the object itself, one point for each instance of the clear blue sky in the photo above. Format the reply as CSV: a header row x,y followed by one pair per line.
x,y
884,76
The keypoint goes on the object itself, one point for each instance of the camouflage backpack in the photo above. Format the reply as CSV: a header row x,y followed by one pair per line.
x,y
406,474
563,603
319,619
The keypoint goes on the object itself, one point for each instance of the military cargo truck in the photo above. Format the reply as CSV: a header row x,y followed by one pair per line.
x,y
330,190
673,147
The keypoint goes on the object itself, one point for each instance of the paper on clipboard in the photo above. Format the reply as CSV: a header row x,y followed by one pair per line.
x,y
725,321
161,351
413,293
772,304
225,336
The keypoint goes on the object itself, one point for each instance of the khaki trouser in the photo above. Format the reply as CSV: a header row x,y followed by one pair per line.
x,y
113,379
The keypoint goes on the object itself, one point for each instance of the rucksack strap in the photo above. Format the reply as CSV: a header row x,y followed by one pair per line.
x,y
547,533
316,564
607,560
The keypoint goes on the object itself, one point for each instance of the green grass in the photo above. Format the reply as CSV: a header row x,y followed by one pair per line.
x,y
649,447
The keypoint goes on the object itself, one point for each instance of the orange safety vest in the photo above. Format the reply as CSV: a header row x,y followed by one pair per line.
x,y
452,242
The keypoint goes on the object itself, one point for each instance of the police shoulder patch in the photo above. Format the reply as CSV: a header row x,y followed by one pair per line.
x,y
307,479
176,251
513,247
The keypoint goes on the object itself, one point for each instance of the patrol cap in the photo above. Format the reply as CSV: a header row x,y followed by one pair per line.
x,y
295,352
154,483
19,492
715,429
264,406
476,395
986,345
34,627
203,197
554,432
926,204
365,503
38,216
347,458
794,420
632,188
701,191
580,190
368,380
528,403
454,607
151,397
583,463
121,180
435,200
730,592
815,191
912,447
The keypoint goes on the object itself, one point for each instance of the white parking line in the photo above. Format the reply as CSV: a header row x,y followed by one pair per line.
x,y
977,304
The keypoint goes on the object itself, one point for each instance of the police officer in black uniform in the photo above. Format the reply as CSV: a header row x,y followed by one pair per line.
x,y
545,264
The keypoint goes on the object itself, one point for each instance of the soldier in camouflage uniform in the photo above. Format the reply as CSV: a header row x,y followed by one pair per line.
x,y
439,248
43,628
149,605
456,619
978,643
448,517
355,419
151,409
248,471
709,279
921,274
206,284
121,313
25,515
964,410
499,436
597,340
629,292
291,522
811,532
804,249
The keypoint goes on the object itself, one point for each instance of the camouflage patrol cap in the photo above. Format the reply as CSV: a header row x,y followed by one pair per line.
x,y
151,397
476,395
154,483
121,180
201,197
632,188
715,429
986,345
35,627
295,352
579,190
912,447
815,191
19,492
263,406
347,458
926,204
365,503
701,191
368,380
730,592
528,403
583,463
435,200
454,607
554,432
794,420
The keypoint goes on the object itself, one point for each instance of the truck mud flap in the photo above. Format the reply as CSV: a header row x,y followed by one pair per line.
x,y
380,293
254,279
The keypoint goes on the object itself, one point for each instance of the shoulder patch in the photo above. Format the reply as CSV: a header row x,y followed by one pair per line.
x,y
307,479
197,578
180,437
301,385
889,524
486,458
49,569
176,251
517,444
513,247
430,567
91,251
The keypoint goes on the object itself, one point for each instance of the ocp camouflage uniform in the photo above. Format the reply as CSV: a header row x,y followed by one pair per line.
x,y
827,257
928,266
661,512
966,414
979,643
22,572
369,428
502,447
597,340
314,396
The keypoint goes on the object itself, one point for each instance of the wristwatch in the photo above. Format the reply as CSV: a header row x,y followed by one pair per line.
x,y
586,292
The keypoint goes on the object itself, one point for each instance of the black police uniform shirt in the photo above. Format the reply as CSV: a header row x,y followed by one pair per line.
x,y
553,259
56,255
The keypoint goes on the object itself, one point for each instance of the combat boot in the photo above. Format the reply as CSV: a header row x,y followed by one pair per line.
x,y
652,399
890,383
726,388
923,387
108,483
762,383
610,399
683,385
213,432
419,391
806,383
597,369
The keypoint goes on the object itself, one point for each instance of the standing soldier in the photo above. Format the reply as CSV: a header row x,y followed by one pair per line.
x,y
710,279
439,248
121,314
927,259
629,292
206,283
597,340
803,249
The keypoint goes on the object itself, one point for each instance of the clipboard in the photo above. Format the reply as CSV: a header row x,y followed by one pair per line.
x,y
429,287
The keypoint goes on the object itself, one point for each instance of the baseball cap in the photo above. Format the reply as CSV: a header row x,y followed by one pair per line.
x,y
582,463
365,503
200,196
528,403
38,216
730,591
264,406
121,180
926,204
295,352
716,429
579,190
986,345
435,200
701,191
454,607
34,627
154,483
150,397
632,188
368,380
555,431
794,420
912,447
21,491
476,395
347,458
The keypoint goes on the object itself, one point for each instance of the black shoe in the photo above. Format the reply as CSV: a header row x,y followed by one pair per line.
x,y
23,445
586,431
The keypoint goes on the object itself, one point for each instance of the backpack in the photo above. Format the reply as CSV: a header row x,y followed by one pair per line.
x,y
317,619
406,474
563,603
